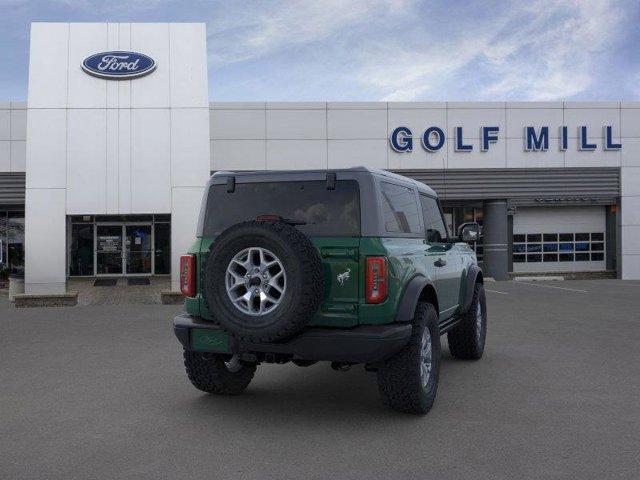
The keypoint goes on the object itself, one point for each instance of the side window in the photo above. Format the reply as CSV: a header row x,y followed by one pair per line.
x,y
399,209
434,227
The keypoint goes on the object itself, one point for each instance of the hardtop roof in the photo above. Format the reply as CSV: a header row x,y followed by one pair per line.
x,y
361,169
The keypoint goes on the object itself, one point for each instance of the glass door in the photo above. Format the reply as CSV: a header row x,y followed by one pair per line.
x,y
109,249
162,241
139,249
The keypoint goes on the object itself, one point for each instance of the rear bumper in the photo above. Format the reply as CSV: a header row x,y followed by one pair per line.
x,y
361,344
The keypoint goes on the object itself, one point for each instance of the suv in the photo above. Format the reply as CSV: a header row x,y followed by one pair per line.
x,y
351,266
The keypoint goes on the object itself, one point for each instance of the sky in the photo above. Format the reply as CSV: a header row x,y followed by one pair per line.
x,y
377,50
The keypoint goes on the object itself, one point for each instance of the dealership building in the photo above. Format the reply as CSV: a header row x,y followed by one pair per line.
x,y
102,169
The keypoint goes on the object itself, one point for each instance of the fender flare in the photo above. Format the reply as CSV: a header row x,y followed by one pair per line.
x,y
409,300
473,276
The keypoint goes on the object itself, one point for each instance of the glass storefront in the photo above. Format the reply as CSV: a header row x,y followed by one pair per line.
x,y
11,242
109,256
138,248
120,245
162,251
81,252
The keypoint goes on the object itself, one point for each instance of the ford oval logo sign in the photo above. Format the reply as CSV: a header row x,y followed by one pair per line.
x,y
118,65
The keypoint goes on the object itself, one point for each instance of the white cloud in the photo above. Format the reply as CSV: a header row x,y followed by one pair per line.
x,y
259,29
548,50
402,49
408,50
100,7
561,55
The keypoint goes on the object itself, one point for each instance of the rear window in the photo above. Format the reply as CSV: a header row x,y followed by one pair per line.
x,y
326,212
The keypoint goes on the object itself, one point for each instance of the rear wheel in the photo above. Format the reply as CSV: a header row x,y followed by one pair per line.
x,y
467,339
408,382
216,373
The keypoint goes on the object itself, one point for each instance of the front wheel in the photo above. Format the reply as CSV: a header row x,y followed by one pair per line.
x,y
213,373
408,381
467,339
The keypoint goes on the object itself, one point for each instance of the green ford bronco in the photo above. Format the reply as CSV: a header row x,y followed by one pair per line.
x,y
350,266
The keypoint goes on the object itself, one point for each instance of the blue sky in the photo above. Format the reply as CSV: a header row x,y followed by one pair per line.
x,y
363,50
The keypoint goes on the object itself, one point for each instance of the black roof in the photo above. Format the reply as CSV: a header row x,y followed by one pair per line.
x,y
374,171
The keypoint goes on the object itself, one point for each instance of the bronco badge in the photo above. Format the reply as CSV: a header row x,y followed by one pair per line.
x,y
343,277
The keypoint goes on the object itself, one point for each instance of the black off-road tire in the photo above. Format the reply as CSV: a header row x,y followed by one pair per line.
x,y
208,372
304,280
399,380
466,340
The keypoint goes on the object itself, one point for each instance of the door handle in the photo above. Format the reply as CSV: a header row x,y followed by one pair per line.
x,y
440,263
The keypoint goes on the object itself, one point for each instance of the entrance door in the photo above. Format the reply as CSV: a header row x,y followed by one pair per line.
x,y
139,251
108,249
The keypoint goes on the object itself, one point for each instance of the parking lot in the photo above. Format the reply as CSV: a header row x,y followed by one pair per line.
x,y
100,392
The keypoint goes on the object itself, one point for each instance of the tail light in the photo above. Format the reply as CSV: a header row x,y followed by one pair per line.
x,y
377,281
188,275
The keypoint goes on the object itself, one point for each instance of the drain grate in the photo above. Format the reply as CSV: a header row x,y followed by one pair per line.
x,y
105,282
138,281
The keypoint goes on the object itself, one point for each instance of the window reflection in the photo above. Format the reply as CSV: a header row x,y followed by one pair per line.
x,y
572,247
11,243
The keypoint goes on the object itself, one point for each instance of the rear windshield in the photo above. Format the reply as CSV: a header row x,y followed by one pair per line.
x,y
326,212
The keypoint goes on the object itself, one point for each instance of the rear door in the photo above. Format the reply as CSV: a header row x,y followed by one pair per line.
x,y
330,217
444,262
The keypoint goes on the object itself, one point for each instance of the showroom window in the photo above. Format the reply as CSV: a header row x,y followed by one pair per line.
x,y
558,247
115,245
81,251
11,242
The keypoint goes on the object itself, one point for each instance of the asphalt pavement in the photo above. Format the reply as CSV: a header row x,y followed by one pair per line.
x,y
100,392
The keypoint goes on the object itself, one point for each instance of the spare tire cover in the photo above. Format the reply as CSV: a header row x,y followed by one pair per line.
x,y
263,281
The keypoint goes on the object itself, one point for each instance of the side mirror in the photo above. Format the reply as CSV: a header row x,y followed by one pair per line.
x,y
469,232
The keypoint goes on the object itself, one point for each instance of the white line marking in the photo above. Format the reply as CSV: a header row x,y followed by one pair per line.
x,y
551,286
539,279
496,291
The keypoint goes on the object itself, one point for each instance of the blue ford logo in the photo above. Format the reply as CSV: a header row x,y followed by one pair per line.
x,y
118,65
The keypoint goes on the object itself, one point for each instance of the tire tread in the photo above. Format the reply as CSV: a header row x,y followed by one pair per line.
x,y
398,383
207,372
462,338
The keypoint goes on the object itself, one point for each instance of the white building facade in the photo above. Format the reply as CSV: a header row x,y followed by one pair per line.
x,y
115,168
100,147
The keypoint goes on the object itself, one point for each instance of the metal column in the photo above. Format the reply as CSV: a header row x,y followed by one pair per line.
x,y
496,239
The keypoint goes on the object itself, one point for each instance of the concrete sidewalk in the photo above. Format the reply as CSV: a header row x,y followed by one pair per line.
x,y
121,294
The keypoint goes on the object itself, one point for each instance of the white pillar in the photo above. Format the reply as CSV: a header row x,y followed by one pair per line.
x,y
45,241
630,221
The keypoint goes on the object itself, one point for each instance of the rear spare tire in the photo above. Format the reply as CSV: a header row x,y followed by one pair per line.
x,y
263,281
